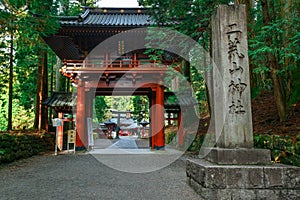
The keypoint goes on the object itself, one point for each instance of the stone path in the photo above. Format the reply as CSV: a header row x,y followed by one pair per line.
x,y
82,176
125,155
124,143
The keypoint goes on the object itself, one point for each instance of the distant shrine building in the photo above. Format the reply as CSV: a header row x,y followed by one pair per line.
x,y
103,54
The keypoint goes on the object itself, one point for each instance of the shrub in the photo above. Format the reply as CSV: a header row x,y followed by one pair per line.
x,y
15,146
284,149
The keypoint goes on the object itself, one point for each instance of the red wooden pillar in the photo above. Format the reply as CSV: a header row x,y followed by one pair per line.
x,y
150,96
81,134
60,133
159,119
153,130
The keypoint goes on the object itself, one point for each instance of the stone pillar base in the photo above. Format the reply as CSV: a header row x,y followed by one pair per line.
x,y
241,156
218,182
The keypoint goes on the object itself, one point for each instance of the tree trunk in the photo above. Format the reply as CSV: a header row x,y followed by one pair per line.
x,y
265,12
41,112
280,83
279,94
38,114
286,81
187,70
10,94
44,123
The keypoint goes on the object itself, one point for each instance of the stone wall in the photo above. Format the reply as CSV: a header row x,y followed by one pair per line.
x,y
243,181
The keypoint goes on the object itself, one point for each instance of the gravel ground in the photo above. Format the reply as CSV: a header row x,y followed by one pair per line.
x,y
81,176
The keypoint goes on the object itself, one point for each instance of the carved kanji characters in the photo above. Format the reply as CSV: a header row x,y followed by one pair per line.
x,y
233,41
236,108
235,68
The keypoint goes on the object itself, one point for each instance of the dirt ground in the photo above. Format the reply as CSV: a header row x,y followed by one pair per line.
x,y
266,120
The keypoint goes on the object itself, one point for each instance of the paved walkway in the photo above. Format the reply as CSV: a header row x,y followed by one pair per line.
x,y
124,143
125,155
83,176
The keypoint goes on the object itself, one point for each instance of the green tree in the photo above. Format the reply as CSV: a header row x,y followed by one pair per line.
x,y
140,106
275,49
120,103
100,108
30,20
27,22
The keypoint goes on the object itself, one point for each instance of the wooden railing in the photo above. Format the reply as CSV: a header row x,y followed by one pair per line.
x,y
120,62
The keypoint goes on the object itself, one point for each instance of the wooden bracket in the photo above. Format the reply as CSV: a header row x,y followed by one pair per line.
x,y
134,77
107,78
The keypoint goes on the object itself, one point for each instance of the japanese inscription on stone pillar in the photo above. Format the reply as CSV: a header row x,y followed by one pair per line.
x,y
231,91
236,87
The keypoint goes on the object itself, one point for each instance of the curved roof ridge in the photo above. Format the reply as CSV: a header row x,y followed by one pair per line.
x,y
85,14
121,10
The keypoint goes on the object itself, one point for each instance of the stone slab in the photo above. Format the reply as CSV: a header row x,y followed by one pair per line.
x,y
239,156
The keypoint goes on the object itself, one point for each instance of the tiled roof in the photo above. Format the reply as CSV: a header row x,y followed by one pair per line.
x,y
61,101
63,47
110,17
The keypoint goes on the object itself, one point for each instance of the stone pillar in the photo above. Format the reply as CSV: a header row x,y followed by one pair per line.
x,y
231,90
230,49
232,170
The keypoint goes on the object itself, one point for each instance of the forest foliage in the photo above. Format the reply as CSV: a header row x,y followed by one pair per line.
x,y
273,34
23,54
274,44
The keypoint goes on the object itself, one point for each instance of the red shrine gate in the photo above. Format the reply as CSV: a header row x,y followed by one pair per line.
x,y
118,67
120,81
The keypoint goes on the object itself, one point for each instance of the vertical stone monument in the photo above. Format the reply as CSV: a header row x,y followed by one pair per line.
x,y
231,90
233,169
